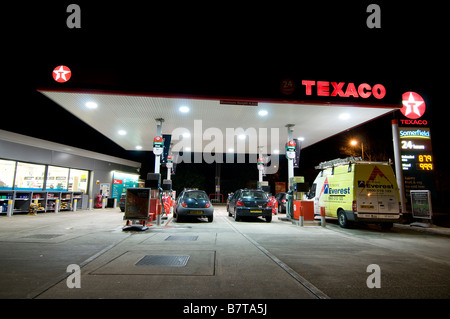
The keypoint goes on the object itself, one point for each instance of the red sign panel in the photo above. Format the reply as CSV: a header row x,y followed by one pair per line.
x,y
61,74
413,105
342,89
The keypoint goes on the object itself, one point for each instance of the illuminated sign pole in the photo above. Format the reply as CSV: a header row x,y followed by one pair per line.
x,y
414,142
398,163
158,148
290,154
158,144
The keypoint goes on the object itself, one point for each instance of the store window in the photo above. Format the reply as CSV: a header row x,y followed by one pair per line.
x,y
7,170
78,180
29,176
57,178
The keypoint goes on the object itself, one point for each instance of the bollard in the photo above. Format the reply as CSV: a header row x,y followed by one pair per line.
x,y
158,214
56,206
115,203
323,222
75,204
103,203
300,218
90,204
10,208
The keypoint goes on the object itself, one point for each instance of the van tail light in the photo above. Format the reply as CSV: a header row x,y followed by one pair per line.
x,y
183,204
207,205
283,201
269,203
354,206
240,203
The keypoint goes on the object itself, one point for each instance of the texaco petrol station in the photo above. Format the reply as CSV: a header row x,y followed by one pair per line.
x,y
291,111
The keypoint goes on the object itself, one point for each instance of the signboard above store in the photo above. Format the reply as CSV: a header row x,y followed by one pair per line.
x,y
343,89
353,92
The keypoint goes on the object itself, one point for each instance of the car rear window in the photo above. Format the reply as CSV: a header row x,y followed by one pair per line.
x,y
196,195
253,195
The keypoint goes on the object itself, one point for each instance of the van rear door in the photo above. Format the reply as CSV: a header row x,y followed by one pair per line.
x,y
367,203
388,204
377,192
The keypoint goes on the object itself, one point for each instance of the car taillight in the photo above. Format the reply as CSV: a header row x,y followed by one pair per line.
x,y
240,203
354,205
183,204
283,201
269,203
207,205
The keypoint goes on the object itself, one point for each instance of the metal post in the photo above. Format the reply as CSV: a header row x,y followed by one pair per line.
x,y
323,222
300,218
158,160
9,211
290,161
90,204
75,204
260,171
56,206
158,133
398,163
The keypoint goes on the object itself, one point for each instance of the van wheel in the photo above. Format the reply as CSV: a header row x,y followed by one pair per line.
x,y
342,219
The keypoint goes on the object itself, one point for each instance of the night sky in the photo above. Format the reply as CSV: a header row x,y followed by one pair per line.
x,y
226,48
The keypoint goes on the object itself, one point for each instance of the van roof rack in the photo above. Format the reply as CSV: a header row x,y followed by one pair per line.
x,y
347,160
339,161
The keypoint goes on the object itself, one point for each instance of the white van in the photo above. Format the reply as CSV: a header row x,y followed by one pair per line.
x,y
353,190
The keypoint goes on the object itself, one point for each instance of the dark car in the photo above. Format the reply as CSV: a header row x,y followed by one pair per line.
x,y
122,200
250,202
281,199
193,203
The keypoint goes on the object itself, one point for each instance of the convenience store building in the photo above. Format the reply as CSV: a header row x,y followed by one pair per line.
x,y
33,169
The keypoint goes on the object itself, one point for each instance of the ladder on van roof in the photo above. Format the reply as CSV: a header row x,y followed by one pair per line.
x,y
339,161
347,160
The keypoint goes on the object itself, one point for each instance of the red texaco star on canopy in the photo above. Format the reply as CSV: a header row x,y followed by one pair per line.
x,y
62,74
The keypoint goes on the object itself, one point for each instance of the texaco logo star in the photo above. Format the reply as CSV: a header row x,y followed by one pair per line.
x,y
413,105
61,74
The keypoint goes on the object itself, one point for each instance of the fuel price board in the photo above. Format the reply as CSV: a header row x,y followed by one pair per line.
x,y
416,149
417,160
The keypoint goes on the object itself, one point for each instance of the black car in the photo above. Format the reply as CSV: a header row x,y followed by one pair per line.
x,y
193,203
281,199
250,202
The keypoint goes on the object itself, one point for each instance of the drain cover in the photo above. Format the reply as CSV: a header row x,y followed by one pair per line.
x,y
43,236
182,238
164,260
